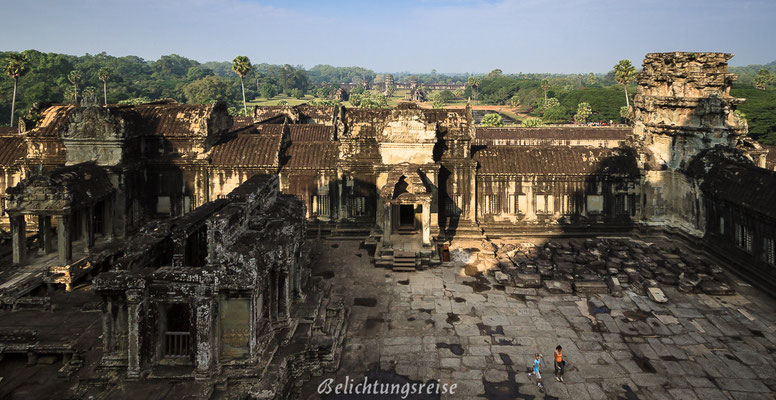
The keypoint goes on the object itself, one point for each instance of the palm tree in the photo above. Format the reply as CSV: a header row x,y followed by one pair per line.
x,y
624,72
545,88
74,78
241,65
104,75
16,67
474,83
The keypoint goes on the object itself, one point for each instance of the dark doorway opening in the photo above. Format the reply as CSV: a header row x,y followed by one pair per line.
x,y
406,216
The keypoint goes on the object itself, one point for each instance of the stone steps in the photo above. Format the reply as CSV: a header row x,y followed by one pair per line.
x,y
404,262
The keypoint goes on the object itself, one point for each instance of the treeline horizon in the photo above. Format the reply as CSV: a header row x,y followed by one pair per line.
x,y
133,79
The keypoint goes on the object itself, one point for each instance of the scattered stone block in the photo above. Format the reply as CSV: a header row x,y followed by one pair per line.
x,y
528,281
501,277
591,287
716,288
558,287
656,294
614,286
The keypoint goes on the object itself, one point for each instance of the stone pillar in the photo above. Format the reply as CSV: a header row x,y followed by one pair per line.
x,y
64,244
341,192
272,300
204,316
107,219
107,327
472,211
134,307
19,238
387,225
284,312
45,234
87,228
426,222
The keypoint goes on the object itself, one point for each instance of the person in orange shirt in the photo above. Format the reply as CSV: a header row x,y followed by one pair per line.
x,y
560,364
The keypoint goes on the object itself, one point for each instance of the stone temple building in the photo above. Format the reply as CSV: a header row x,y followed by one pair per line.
x,y
193,225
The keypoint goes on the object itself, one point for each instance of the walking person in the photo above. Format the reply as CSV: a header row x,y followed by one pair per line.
x,y
560,364
536,371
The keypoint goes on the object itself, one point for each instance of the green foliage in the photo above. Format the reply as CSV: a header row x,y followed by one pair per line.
x,y
369,100
438,100
624,112
514,101
296,93
583,112
624,72
604,102
135,101
532,122
760,112
208,90
241,65
763,79
16,65
591,80
492,121
553,112
748,74
268,90
327,73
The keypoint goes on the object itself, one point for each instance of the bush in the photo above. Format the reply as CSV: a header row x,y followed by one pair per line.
x,y
492,121
532,123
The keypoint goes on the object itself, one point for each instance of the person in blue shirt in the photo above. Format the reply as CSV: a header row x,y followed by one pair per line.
x,y
536,371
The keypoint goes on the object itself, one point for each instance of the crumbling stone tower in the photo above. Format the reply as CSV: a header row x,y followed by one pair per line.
x,y
683,107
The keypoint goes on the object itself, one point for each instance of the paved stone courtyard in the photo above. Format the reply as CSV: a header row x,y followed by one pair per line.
x,y
440,324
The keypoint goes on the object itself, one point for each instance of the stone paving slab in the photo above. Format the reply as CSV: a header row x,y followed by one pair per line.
x,y
437,324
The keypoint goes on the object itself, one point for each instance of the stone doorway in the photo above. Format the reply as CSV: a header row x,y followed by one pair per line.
x,y
406,217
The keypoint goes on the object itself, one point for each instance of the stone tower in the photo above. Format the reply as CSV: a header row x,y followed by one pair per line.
x,y
683,106
682,109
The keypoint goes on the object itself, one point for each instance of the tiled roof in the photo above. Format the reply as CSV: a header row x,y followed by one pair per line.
x,y
745,185
54,118
564,160
11,149
311,132
240,123
172,119
555,133
249,150
264,113
312,155
8,131
269,129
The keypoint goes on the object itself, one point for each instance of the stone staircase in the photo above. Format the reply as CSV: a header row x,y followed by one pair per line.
x,y
404,261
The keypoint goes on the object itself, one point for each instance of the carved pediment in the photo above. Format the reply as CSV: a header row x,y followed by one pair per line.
x,y
96,123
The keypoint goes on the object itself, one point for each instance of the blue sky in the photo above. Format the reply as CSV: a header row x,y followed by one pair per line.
x,y
390,36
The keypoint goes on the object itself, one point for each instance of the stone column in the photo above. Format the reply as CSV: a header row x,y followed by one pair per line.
x,y
107,219
284,302
272,299
45,234
204,358
341,192
387,225
134,307
426,222
64,245
472,211
87,228
19,238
